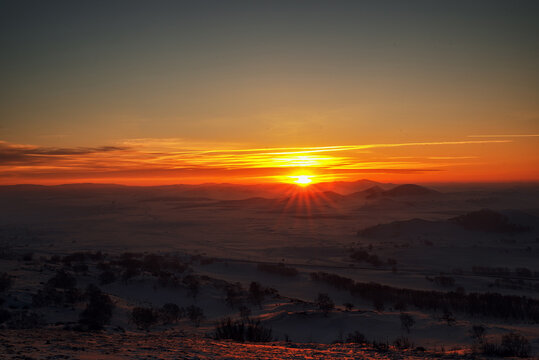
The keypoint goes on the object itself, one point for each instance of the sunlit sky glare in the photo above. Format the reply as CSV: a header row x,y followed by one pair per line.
x,y
151,92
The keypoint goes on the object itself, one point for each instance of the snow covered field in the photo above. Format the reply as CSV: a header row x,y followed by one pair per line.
x,y
203,247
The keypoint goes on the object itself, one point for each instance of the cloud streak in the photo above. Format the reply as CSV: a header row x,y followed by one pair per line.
x,y
173,157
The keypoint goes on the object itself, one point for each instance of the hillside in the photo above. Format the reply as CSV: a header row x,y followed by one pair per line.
x,y
176,345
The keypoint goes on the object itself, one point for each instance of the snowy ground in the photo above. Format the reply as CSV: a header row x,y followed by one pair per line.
x,y
170,345
234,229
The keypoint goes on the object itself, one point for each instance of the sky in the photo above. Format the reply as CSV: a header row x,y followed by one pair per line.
x,y
164,92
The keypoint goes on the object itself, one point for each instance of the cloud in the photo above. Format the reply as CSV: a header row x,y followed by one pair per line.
x,y
162,158
15,154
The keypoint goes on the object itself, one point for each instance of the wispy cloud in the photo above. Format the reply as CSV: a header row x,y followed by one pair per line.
x,y
168,157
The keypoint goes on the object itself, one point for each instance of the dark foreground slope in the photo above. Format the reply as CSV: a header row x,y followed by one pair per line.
x,y
60,344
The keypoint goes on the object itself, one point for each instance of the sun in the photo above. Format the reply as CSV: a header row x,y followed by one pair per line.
x,y
303,180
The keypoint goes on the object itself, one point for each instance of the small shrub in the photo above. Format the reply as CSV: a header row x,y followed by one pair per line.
x,y
195,314
324,303
143,317
98,312
407,321
403,343
380,346
256,293
363,255
356,337
512,344
251,331
255,332
448,318
234,295
378,304
245,312
170,313
62,280
230,330
477,333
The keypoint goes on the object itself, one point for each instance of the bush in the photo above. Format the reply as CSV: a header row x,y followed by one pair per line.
x,y
170,313
356,337
62,280
195,314
255,332
230,330
512,344
477,333
378,304
407,321
474,304
245,312
448,318
98,312
251,331
234,295
324,303
143,317
256,293
403,343
363,255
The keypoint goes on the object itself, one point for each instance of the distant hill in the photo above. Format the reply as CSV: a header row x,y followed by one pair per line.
x,y
349,187
488,221
371,192
409,190
398,228
482,220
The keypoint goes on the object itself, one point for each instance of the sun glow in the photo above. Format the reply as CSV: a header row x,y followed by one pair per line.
x,y
302,180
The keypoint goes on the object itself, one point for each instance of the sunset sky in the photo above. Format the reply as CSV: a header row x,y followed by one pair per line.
x,y
164,92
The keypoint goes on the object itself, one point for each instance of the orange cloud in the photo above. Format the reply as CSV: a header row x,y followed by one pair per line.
x,y
156,161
